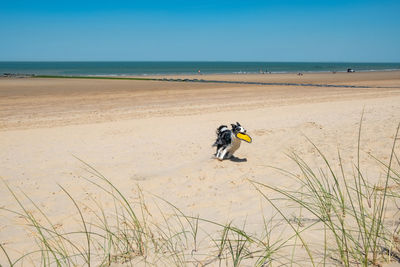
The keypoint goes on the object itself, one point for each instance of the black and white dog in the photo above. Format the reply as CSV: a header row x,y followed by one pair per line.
x,y
228,141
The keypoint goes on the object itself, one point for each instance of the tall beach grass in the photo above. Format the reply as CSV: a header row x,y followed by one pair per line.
x,y
350,210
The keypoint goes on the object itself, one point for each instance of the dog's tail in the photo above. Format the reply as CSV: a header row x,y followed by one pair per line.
x,y
217,142
221,128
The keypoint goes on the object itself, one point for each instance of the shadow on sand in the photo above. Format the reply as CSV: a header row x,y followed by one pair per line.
x,y
236,159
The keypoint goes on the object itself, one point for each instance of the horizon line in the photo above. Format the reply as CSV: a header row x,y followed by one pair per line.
x,y
146,61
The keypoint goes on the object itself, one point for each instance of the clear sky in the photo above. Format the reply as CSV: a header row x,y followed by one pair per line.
x,y
246,30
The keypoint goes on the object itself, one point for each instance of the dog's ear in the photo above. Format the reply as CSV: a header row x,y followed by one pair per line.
x,y
233,126
238,124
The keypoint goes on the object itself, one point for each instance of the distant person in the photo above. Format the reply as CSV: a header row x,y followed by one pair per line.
x,y
199,72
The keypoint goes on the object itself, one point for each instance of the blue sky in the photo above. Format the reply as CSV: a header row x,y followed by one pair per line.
x,y
278,30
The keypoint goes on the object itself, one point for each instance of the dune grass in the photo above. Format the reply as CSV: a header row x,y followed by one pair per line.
x,y
351,210
348,210
128,235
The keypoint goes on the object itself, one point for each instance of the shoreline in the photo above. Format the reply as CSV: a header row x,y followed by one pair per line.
x,y
310,79
145,75
184,68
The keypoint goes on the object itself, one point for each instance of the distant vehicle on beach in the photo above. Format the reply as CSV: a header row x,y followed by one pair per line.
x,y
350,70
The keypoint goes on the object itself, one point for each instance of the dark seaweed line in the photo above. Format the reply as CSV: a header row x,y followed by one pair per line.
x,y
212,81
272,83
280,84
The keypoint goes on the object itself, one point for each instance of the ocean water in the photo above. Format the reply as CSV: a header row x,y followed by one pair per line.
x,y
162,68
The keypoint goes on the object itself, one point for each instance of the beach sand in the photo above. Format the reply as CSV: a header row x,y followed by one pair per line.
x,y
158,135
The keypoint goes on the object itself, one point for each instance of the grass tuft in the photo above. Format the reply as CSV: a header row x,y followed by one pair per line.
x,y
350,209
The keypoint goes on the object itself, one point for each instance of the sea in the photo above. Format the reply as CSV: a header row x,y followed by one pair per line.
x,y
143,68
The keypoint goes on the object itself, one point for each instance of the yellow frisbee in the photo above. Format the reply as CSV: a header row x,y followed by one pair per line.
x,y
244,137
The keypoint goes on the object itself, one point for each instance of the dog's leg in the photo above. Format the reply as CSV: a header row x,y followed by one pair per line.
x,y
223,152
217,155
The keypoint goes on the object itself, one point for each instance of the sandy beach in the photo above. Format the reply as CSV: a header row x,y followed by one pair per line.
x,y
157,136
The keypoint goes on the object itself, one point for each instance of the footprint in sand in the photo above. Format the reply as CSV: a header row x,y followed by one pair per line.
x,y
138,177
312,124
